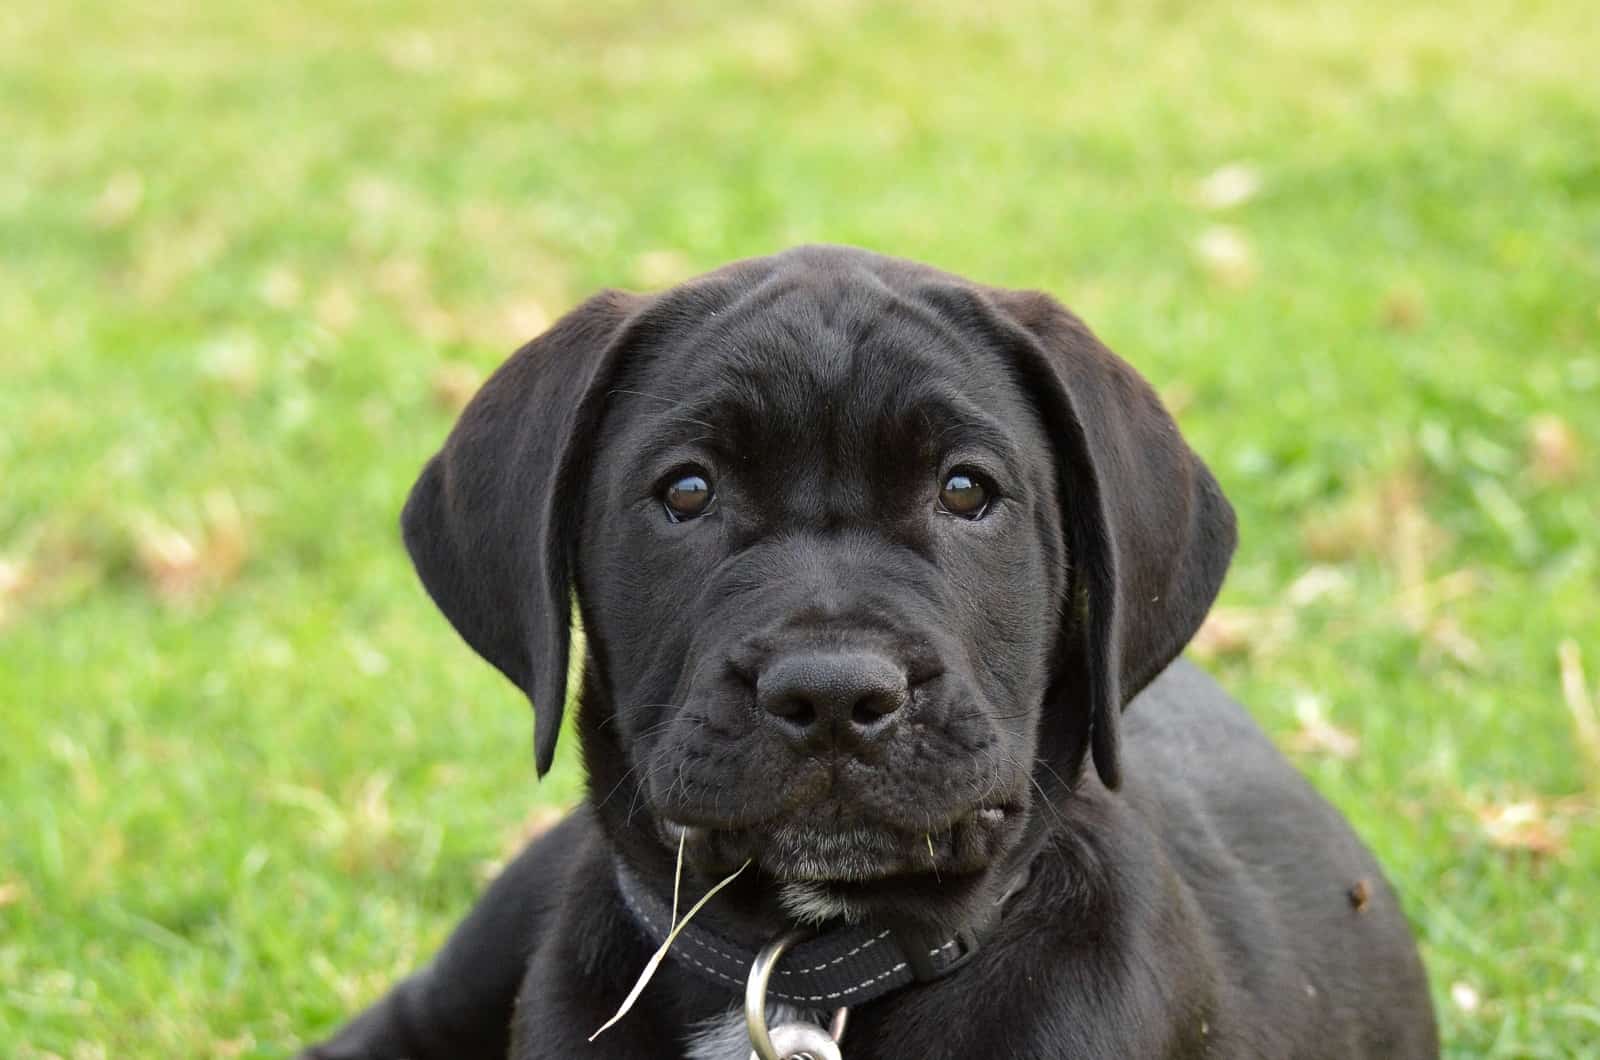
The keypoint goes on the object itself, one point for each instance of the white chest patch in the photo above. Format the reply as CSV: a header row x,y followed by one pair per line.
x,y
724,1037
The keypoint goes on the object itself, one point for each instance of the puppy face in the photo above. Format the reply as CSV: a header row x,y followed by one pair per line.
x,y
821,566
865,554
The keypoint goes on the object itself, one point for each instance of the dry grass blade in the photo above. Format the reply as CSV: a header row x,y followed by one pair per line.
x,y
672,936
454,383
1233,185
1575,690
1526,825
1319,736
14,581
181,562
1227,257
11,892
1230,632
677,875
1555,455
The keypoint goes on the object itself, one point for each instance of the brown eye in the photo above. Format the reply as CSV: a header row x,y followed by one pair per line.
x,y
964,494
687,496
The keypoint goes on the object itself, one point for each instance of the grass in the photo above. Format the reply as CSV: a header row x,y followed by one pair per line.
x,y
251,256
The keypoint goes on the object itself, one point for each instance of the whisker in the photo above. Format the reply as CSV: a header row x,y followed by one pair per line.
x,y
618,786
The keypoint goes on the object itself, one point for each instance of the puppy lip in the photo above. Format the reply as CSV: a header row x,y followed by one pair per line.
x,y
794,849
988,814
686,833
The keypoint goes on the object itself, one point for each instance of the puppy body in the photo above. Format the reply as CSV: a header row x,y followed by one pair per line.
x,y
937,537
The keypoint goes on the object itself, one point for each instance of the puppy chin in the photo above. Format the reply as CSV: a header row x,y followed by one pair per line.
x,y
804,850
931,880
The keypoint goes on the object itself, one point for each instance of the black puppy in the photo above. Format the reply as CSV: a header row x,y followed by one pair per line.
x,y
870,560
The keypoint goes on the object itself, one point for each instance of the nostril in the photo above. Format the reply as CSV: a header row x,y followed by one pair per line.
x,y
875,706
796,710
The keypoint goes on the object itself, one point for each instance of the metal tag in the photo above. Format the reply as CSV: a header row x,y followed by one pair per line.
x,y
802,1041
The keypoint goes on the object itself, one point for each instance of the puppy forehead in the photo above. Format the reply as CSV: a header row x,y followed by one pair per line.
x,y
795,359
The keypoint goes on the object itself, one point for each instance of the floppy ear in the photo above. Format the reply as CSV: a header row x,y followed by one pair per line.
x,y
490,524
1149,533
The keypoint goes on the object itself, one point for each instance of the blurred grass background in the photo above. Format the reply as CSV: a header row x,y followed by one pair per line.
x,y
253,257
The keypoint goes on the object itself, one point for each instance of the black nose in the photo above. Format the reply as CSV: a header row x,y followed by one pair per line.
x,y
831,697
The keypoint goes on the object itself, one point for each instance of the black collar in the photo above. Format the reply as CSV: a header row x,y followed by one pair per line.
x,y
848,965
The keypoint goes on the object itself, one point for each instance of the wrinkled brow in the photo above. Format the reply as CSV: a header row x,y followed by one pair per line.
x,y
734,422
949,423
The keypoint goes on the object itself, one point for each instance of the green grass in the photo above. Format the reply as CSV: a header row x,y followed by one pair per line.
x,y
248,775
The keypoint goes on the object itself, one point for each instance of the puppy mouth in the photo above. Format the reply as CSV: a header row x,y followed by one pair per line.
x,y
811,851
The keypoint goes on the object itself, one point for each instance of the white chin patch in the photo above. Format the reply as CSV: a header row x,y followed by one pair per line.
x,y
811,903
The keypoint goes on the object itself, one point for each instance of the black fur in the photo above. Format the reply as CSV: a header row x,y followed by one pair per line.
x,y
1200,908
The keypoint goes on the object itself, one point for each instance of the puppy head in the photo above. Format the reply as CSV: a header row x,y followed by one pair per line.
x,y
862,552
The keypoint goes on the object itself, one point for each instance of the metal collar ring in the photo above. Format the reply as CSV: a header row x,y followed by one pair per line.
x,y
788,1041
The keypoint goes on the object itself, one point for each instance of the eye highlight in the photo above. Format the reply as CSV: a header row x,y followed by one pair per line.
x,y
966,493
687,494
